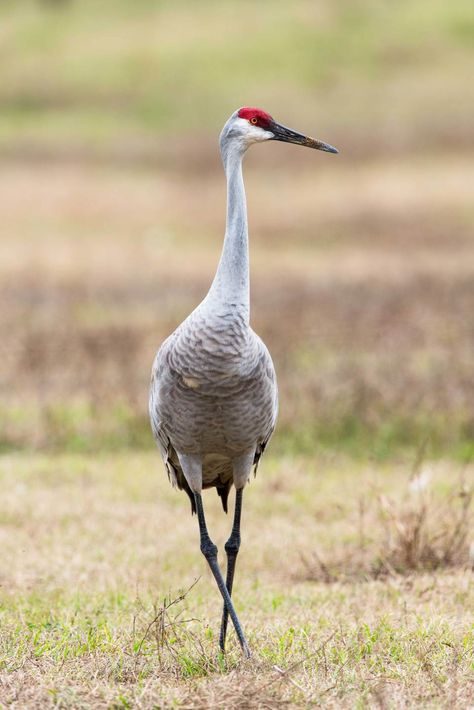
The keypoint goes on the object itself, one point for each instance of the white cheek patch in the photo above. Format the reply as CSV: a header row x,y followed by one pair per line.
x,y
260,134
252,133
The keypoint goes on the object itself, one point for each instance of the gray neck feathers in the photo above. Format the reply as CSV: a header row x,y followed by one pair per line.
x,y
230,287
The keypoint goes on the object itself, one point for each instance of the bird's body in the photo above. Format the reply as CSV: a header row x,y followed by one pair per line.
x,y
213,396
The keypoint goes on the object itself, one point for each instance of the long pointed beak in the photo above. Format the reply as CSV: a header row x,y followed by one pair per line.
x,y
287,135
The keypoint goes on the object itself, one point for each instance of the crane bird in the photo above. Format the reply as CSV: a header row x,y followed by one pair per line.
x,y
213,394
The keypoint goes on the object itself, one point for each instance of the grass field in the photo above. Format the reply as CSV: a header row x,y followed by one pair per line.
x,y
339,606
354,581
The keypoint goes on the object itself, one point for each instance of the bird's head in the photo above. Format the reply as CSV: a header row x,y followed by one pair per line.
x,y
252,125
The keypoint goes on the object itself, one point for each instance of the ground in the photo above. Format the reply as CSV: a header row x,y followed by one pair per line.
x,y
96,548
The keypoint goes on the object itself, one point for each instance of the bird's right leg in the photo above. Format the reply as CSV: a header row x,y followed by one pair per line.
x,y
232,548
209,550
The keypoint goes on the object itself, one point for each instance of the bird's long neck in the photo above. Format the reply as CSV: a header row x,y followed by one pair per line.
x,y
230,288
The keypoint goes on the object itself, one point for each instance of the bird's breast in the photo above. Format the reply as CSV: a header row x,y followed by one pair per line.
x,y
214,388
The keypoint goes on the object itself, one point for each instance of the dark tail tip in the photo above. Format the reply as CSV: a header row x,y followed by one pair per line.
x,y
190,496
223,493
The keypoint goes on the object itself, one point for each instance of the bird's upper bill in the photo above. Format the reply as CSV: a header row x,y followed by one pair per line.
x,y
259,119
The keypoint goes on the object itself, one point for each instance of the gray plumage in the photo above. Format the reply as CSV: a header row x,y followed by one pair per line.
x,y
213,396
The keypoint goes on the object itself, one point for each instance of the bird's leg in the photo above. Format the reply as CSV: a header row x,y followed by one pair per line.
x,y
232,548
209,550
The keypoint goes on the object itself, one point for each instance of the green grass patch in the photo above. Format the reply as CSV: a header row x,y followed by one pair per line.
x,y
85,428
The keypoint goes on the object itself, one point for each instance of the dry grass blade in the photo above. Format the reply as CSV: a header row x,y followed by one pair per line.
x,y
169,633
293,682
418,532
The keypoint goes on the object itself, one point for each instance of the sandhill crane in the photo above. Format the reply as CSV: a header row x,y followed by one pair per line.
x,y
213,395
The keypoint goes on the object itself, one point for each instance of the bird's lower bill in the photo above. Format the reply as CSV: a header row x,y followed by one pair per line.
x,y
287,135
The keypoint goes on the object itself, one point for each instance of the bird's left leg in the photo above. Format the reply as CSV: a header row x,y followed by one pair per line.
x,y
242,467
232,548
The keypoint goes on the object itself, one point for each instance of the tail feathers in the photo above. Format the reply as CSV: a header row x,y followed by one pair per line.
x,y
185,486
223,493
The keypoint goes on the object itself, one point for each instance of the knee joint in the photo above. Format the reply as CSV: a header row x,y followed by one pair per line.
x,y
232,545
208,548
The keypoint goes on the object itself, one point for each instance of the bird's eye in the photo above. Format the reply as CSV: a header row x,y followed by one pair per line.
x,y
253,120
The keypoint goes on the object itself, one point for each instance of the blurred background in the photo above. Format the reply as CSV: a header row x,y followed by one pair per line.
x,y
112,213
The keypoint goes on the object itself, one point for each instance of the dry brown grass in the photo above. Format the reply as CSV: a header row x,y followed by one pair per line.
x,y
418,533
